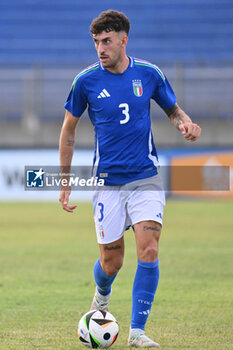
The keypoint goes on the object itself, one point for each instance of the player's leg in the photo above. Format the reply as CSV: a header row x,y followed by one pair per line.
x,y
145,209
111,256
105,272
110,217
147,234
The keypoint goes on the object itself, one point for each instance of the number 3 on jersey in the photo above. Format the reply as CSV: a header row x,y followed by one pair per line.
x,y
124,111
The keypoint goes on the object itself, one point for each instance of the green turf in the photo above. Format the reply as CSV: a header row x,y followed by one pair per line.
x,y
46,282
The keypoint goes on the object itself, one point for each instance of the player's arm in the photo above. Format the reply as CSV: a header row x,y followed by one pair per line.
x,y
183,123
66,149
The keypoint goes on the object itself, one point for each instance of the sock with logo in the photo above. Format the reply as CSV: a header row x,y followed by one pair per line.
x,y
145,284
103,281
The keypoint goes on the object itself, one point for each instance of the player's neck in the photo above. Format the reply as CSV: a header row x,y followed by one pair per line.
x,y
121,66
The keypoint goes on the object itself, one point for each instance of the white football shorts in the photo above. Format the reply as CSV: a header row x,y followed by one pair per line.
x,y
116,208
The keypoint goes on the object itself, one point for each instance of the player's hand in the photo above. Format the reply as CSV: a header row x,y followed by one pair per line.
x,y
190,131
64,199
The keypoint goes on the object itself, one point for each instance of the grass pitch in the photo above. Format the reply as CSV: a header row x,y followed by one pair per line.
x,y
46,278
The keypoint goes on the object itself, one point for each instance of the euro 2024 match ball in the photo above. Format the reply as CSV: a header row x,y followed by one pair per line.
x,y
98,329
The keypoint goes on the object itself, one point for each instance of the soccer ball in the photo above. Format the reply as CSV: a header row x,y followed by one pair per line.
x,y
98,329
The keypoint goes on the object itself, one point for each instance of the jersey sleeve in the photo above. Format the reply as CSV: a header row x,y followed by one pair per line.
x,y
164,94
76,102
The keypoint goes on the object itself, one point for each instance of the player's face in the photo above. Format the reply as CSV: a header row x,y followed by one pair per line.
x,y
110,47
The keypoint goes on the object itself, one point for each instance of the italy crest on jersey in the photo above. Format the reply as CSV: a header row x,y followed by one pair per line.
x,y
137,88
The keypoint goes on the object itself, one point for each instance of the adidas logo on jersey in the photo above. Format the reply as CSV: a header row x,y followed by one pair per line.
x,y
104,94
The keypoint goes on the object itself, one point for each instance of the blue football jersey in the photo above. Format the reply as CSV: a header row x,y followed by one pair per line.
x,y
119,109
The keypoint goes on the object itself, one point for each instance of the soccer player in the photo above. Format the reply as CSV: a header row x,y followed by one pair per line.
x,y
117,90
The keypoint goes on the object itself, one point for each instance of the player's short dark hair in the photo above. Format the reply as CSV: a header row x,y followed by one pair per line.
x,y
108,21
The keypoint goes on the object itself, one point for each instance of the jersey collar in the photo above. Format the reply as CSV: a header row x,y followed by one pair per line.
x,y
131,63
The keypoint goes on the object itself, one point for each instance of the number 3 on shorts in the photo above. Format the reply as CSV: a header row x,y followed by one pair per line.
x,y
101,211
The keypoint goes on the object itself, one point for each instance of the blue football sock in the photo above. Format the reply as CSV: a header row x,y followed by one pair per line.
x,y
144,288
103,281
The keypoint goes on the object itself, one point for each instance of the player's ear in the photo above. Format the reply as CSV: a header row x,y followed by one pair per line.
x,y
124,40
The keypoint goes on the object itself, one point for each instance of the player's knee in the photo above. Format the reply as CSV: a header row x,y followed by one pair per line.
x,y
149,254
118,264
112,265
